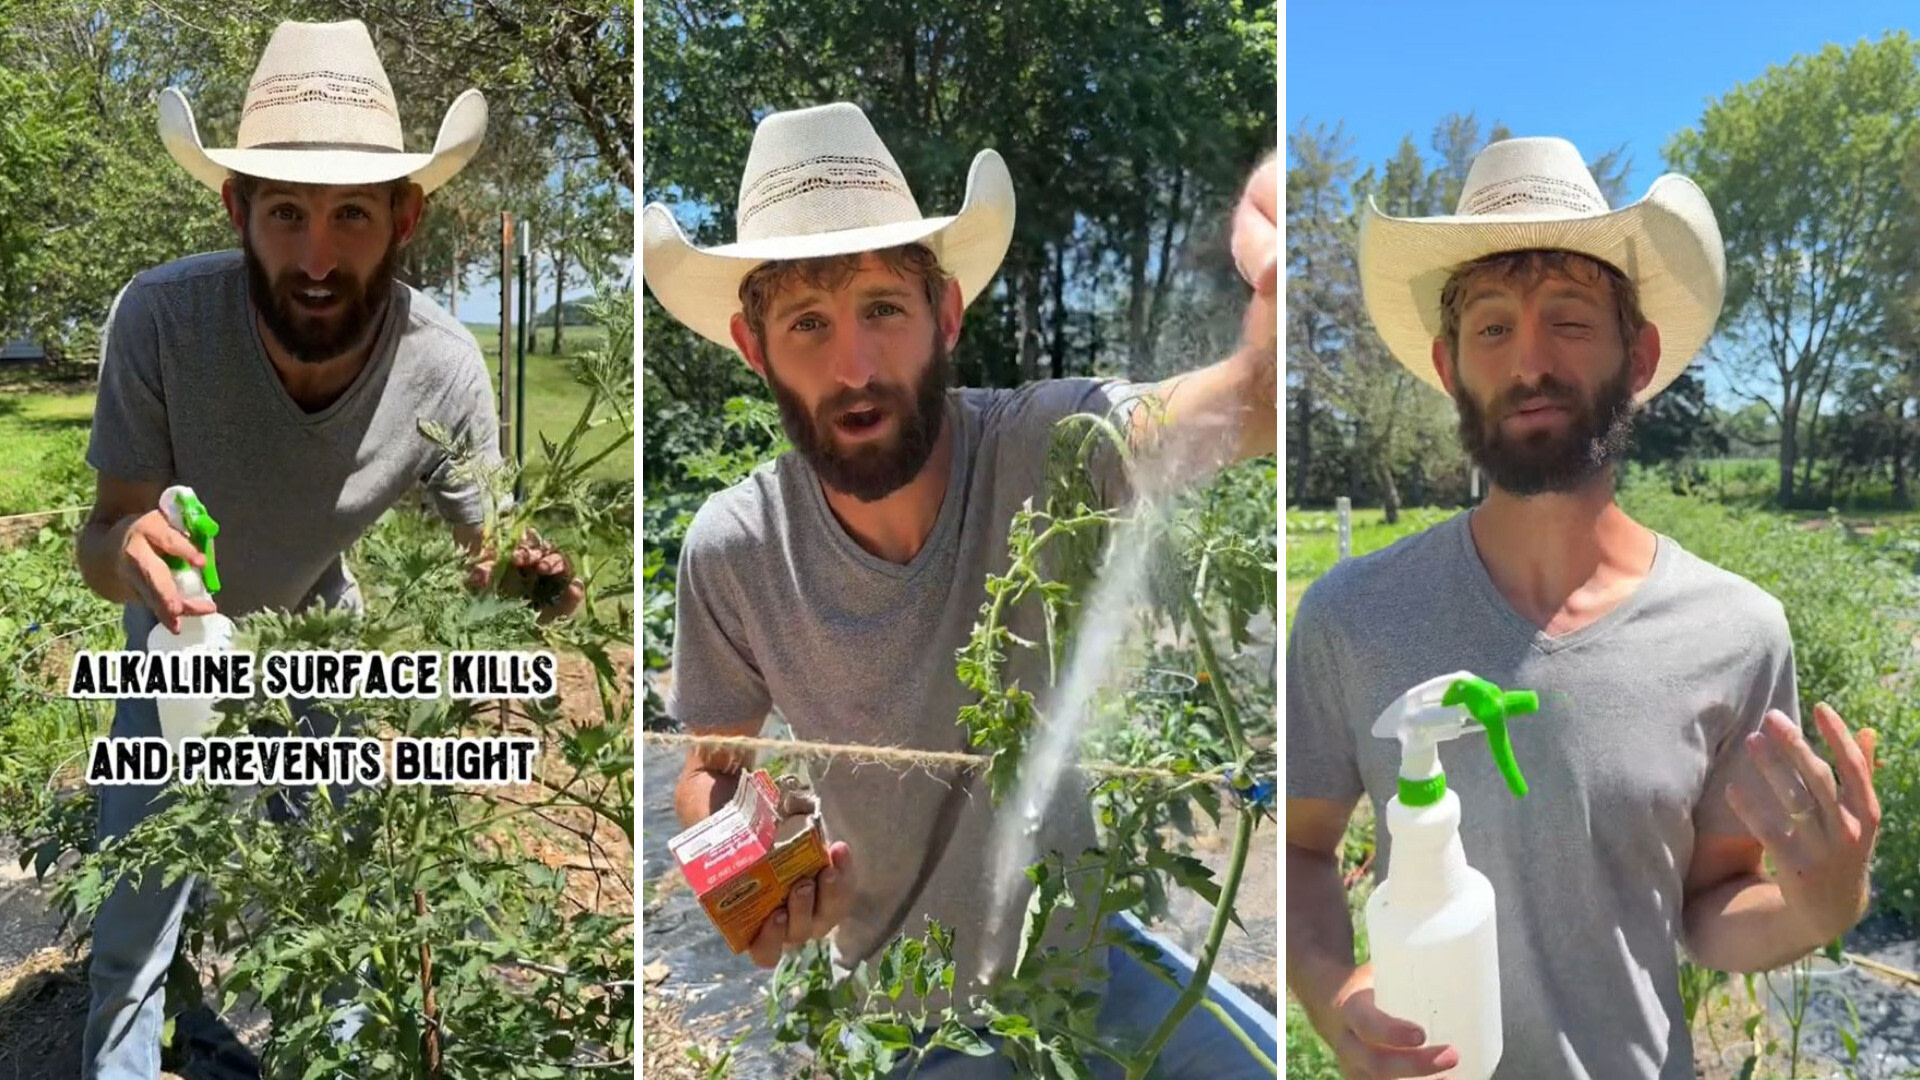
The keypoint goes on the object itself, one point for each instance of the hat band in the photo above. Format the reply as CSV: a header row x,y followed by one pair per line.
x,y
360,148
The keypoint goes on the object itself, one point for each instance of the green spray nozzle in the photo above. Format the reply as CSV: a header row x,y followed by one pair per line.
x,y
1491,707
187,513
1445,708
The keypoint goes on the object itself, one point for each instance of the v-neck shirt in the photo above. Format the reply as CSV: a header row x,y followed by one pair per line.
x,y
1639,731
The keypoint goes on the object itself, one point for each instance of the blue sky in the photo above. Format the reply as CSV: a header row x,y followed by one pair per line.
x,y
1598,74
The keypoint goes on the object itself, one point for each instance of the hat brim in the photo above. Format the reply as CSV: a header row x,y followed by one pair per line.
x,y
1668,243
701,286
462,131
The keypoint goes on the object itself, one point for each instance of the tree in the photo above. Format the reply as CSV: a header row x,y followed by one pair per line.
x,y
1804,168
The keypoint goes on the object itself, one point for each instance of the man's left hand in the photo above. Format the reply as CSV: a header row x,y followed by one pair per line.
x,y
537,572
1819,834
1256,252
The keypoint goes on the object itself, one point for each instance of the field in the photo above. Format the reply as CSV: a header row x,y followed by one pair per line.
x,y
1847,580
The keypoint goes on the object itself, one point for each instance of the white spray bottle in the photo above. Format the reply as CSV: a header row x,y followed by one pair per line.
x,y
184,717
1430,925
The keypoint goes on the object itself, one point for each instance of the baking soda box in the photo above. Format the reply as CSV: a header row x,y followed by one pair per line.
x,y
744,859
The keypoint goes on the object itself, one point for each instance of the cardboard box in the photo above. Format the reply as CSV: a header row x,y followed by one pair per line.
x,y
743,860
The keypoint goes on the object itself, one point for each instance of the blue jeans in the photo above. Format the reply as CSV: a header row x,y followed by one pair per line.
x,y
136,930
1136,1001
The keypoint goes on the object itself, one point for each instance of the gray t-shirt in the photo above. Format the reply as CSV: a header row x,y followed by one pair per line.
x,y
188,396
779,607
1642,715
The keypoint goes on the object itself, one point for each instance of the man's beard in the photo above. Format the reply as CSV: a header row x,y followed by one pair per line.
x,y
1597,435
869,471
312,339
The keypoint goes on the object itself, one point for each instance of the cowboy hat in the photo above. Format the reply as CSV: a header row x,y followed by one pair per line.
x,y
1538,193
819,182
321,111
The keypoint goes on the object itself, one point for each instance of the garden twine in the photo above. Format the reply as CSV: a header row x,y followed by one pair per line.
x,y
900,755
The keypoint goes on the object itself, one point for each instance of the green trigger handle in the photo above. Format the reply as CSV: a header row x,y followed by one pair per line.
x,y
1491,706
201,529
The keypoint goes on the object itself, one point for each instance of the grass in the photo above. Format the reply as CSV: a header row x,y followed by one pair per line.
x,y
554,399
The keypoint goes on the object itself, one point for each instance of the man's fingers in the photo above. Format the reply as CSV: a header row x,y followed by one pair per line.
x,y
1814,774
771,941
155,583
1769,750
1376,1028
1425,1061
1757,807
836,888
1854,762
800,914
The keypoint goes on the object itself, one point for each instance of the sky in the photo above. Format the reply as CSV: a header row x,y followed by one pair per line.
x,y
1601,76
1597,74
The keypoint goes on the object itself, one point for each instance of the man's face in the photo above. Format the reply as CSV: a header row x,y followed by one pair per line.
x,y
320,261
1544,379
860,374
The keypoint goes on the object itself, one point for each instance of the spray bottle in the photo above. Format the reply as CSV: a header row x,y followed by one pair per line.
x,y
1430,925
184,717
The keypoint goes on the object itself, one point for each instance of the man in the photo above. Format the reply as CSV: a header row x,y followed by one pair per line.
x,y
1666,758
838,582
284,383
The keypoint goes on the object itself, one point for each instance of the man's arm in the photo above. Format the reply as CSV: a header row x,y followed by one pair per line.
x,y
1336,993
1735,918
1240,393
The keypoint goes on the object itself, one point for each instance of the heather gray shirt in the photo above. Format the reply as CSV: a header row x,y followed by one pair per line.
x,y
188,396
779,608
1641,719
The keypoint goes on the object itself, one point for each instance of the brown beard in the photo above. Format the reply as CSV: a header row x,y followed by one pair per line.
x,y
871,471
1546,462
307,339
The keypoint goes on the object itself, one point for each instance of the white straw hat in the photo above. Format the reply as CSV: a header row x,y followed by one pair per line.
x,y
1538,193
819,182
321,111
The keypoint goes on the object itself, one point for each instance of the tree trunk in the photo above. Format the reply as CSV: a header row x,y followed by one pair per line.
x,y
1138,357
1389,491
1058,348
1304,425
1901,498
1789,453
1353,461
453,286
559,285
1029,319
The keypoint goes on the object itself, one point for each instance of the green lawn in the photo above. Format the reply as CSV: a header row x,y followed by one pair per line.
x,y
43,442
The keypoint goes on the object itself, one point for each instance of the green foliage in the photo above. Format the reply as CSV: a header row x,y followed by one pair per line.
x,y
528,979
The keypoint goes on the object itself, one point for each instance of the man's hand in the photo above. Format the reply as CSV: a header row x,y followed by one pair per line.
x,y
813,909
1819,834
1256,252
1372,1045
537,572
140,542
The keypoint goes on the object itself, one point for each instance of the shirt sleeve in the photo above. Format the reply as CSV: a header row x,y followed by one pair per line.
x,y
473,421
131,438
1321,759
717,684
1772,685
1029,419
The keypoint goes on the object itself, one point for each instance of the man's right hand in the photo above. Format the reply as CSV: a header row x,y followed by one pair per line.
x,y
140,541
813,908
1374,1046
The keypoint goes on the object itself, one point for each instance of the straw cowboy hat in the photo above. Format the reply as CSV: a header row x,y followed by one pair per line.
x,y
819,182
1538,193
321,111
